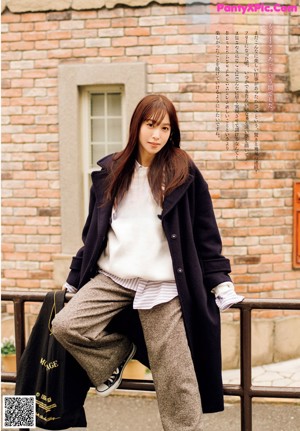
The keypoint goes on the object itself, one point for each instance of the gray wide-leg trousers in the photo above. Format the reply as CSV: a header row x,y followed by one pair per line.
x,y
80,328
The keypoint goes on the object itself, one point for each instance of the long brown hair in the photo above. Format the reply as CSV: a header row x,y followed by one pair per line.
x,y
168,169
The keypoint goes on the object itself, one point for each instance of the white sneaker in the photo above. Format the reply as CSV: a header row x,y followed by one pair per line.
x,y
115,379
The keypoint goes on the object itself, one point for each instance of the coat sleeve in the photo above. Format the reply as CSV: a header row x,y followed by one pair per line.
x,y
208,241
76,263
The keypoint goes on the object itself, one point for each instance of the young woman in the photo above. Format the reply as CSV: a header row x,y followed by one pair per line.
x,y
150,276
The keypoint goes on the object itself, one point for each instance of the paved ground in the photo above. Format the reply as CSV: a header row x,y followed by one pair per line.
x,y
281,374
138,412
119,413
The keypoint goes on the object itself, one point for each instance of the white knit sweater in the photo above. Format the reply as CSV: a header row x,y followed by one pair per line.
x,y
137,245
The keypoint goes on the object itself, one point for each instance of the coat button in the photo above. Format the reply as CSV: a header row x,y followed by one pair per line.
x,y
180,270
173,236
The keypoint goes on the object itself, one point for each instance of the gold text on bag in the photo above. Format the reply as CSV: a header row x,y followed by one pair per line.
x,y
50,365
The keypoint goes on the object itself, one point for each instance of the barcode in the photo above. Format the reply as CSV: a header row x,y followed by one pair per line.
x,y
18,411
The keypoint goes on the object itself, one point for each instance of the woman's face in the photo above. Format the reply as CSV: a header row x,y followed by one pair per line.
x,y
152,138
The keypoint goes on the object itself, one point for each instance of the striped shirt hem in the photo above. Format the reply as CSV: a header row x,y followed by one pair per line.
x,y
148,293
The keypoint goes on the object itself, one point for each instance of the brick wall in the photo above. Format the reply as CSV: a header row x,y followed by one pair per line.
x,y
178,44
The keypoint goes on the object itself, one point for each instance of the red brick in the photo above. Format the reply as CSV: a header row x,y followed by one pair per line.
x,y
47,44
124,41
152,40
182,58
165,68
38,275
28,284
21,46
50,230
268,277
124,22
60,35
49,248
35,166
178,20
21,27
22,119
46,266
25,230
137,31
144,53
46,119
164,10
22,83
57,53
179,40
85,52
46,26
100,23
8,17
33,17
134,12
84,34
249,260
12,92
71,43
164,30
48,284
15,256
41,193
246,278
273,258
15,273
111,52
23,193
41,257
11,37
6,138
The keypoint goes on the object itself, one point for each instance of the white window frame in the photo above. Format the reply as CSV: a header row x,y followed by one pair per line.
x,y
85,105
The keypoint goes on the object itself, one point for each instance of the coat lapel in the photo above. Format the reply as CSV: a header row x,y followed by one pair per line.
x,y
98,178
104,211
172,199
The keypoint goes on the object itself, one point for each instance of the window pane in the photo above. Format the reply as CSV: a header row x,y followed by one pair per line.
x,y
98,151
114,130
114,104
97,104
114,148
97,130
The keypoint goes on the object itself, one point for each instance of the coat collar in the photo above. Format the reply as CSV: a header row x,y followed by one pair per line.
x,y
105,163
169,202
99,176
172,199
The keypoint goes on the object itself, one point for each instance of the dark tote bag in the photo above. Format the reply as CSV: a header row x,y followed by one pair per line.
x,y
49,372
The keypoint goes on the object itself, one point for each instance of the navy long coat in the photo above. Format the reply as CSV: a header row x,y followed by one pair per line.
x,y
195,245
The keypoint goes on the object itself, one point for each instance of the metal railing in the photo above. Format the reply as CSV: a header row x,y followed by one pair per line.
x,y
245,390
